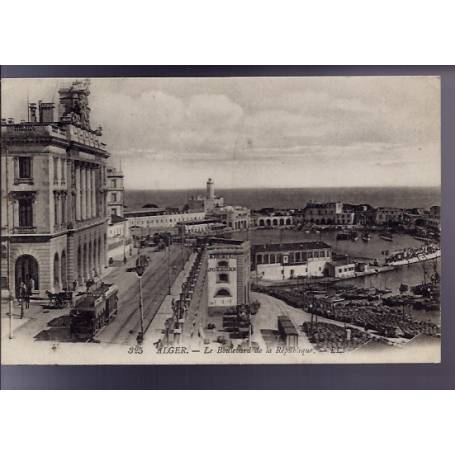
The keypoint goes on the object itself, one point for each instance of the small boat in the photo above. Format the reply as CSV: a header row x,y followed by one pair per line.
x,y
387,237
366,237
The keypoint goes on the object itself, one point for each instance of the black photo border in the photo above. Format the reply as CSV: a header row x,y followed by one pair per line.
x,y
302,376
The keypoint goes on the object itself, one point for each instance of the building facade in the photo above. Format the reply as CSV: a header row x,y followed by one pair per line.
x,y
234,217
284,261
149,221
202,227
341,268
271,218
115,192
322,212
119,242
388,215
54,212
228,273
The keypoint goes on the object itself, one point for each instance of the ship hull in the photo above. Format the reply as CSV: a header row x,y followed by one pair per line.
x,y
414,259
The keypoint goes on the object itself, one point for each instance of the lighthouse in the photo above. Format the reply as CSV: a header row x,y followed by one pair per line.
x,y
210,189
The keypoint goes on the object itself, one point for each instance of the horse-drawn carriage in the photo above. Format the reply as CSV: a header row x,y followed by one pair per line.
x,y
59,299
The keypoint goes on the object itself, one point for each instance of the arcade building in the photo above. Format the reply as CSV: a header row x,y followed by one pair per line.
x,y
53,188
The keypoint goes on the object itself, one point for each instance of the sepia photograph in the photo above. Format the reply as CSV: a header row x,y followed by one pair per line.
x,y
221,220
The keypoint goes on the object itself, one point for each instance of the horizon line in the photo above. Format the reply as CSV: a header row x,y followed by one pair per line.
x,y
221,188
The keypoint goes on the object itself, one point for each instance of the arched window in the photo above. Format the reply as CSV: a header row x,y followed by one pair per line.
x,y
288,222
56,273
261,222
25,270
281,222
223,292
63,270
275,222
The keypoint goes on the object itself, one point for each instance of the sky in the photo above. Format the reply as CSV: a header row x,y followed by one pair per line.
x,y
174,133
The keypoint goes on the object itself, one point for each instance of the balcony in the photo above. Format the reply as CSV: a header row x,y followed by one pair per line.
x,y
24,230
23,180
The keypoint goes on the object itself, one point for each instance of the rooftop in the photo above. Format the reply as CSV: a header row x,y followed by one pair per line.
x,y
291,246
117,219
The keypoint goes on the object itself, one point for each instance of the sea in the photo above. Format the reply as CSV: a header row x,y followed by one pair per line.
x,y
256,198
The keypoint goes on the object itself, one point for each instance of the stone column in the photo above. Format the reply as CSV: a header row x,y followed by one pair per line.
x,y
77,171
84,192
93,174
89,190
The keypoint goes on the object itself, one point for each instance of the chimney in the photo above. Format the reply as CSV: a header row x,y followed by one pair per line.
x,y
46,112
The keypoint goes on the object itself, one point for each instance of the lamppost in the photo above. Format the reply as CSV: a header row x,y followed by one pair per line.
x,y
139,273
8,271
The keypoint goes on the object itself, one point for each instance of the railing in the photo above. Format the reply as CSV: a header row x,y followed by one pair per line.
x,y
25,230
23,180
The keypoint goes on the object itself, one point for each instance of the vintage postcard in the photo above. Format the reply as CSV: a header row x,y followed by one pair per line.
x,y
221,220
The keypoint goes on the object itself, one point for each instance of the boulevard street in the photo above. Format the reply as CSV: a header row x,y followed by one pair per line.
x,y
163,268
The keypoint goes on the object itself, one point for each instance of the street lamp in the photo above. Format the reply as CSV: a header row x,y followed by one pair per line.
x,y
139,273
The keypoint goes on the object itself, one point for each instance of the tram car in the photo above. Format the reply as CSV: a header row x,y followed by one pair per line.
x,y
93,310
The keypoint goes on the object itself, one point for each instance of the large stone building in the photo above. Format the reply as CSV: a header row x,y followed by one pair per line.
x,y
283,261
53,185
228,273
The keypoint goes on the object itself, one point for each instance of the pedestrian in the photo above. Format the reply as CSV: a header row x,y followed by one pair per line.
x,y
74,285
29,290
22,296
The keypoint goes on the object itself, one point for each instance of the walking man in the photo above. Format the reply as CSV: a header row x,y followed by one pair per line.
x,y
22,297
30,288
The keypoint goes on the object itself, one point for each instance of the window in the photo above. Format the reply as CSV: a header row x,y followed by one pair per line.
x,y
63,206
223,264
114,197
114,183
55,169
25,167
223,292
55,209
63,170
222,278
25,213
